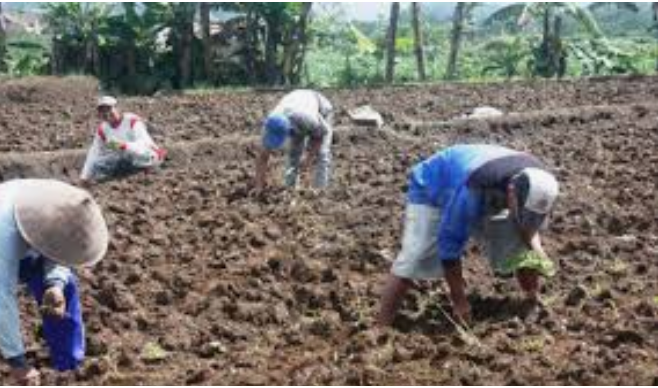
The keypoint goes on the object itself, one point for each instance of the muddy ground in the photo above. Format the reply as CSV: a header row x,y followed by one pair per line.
x,y
204,284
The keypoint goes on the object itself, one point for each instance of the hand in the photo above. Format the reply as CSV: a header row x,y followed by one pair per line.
x,y
114,145
54,303
26,376
462,312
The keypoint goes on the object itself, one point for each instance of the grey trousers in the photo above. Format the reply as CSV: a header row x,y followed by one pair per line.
x,y
323,168
418,259
114,167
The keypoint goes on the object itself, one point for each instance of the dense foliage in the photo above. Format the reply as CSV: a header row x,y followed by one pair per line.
x,y
145,47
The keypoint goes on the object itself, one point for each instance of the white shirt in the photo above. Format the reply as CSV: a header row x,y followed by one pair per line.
x,y
133,139
308,112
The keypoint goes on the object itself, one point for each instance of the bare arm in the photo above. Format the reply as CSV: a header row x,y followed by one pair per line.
x,y
92,157
533,241
457,286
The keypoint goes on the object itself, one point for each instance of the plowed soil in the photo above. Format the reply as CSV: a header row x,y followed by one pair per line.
x,y
206,284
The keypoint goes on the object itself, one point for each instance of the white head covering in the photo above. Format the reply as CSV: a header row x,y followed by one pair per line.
x,y
106,101
536,191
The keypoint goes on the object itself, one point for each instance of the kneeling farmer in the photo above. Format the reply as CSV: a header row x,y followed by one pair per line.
x,y
504,196
122,145
46,227
304,116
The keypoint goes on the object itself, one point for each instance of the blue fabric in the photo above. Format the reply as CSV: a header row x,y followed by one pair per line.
x,y
441,181
65,337
277,128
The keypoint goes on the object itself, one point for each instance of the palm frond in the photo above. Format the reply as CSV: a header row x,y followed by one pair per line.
x,y
583,17
509,14
630,7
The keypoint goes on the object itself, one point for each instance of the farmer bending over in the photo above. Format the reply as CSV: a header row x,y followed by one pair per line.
x,y
46,227
501,195
305,117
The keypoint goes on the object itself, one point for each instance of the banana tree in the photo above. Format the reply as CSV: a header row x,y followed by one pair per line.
x,y
506,56
75,29
550,57
132,32
130,55
600,56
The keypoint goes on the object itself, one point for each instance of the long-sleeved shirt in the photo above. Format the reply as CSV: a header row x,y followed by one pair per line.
x,y
455,181
14,248
130,137
308,112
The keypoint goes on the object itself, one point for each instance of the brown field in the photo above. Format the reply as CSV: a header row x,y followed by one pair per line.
x,y
206,285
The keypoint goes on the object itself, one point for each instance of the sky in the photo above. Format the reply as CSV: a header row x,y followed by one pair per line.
x,y
367,10
370,10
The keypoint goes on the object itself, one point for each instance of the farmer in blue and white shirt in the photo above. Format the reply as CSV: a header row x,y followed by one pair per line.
x,y
499,194
304,117
55,221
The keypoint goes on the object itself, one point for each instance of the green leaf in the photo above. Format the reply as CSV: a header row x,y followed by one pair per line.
x,y
630,7
529,260
364,44
509,14
153,352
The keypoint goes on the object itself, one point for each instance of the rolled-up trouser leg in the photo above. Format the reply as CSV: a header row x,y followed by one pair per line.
x,y
293,163
418,259
323,169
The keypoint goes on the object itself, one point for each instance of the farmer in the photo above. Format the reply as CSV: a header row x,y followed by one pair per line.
x,y
122,145
501,195
304,117
45,227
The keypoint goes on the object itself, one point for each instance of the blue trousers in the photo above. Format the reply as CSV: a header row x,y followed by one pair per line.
x,y
65,337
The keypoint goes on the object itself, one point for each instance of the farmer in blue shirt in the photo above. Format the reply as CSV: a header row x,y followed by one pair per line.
x,y
39,219
499,194
305,118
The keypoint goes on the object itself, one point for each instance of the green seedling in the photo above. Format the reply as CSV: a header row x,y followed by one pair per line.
x,y
533,345
153,352
618,268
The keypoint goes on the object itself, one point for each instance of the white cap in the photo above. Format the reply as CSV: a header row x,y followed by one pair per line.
x,y
106,101
536,191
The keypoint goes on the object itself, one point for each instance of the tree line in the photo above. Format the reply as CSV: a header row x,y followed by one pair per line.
x,y
144,47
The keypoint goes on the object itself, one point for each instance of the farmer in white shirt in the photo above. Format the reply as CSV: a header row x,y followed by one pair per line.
x,y
304,117
122,145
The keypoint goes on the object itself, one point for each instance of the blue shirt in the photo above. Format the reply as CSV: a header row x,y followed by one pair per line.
x,y
13,248
442,181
